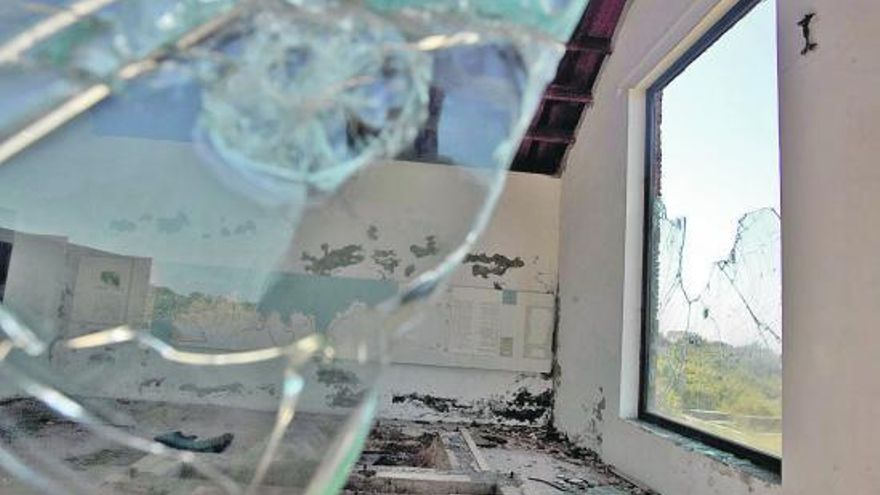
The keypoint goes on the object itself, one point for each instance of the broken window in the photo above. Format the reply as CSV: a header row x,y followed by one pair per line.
x,y
712,330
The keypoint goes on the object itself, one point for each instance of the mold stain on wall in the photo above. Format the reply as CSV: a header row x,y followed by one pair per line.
x,y
519,407
596,416
345,390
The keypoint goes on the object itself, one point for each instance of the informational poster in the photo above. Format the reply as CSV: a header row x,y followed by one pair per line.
x,y
484,328
476,327
539,332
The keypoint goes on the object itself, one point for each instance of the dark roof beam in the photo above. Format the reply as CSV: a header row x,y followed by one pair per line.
x,y
559,92
589,44
550,136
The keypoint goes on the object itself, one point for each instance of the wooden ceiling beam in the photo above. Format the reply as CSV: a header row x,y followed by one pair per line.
x,y
550,136
559,92
589,44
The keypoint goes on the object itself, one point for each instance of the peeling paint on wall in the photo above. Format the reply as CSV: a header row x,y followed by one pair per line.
x,y
269,389
336,376
150,383
232,388
248,227
345,397
344,385
332,259
123,225
386,259
101,357
172,225
496,264
429,249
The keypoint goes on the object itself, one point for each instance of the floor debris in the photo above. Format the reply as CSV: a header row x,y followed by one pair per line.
x,y
399,456
536,461
105,457
177,440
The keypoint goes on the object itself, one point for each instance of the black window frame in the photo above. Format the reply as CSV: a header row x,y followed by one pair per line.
x,y
5,258
652,156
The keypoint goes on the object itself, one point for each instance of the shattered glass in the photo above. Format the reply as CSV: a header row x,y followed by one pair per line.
x,y
202,208
716,354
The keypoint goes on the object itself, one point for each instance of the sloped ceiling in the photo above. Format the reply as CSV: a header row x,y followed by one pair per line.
x,y
553,128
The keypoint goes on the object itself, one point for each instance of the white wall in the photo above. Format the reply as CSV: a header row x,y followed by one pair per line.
x,y
830,138
831,283
404,202
525,225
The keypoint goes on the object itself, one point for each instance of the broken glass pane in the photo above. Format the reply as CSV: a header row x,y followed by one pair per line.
x,y
217,217
715,360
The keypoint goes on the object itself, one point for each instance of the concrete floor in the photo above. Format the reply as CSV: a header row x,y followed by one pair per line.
x,y
399,457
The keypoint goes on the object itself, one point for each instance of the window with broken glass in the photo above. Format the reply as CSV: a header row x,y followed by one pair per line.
x,y
712,336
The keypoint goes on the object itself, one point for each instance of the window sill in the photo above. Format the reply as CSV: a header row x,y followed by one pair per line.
x,y
742,466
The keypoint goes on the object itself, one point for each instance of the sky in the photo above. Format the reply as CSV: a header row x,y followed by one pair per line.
x,y
720,140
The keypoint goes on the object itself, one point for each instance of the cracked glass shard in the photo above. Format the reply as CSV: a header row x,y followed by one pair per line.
x,y
217,216
334,93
